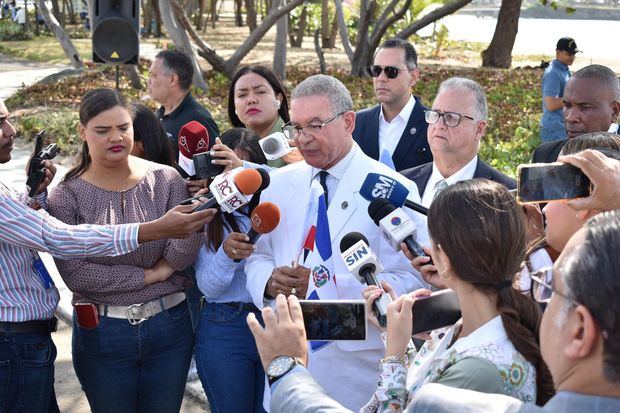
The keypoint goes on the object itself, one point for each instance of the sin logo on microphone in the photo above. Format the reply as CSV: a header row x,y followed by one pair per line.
x,y
384,187
356,253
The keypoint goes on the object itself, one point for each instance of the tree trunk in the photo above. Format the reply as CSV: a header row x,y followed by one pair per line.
x,y
213,13
36,19
333,33
131,71
198,21
250,18
297,36
158,19
279,53
342,28
238,14
71,12
65,41
325,24
146,17
180,39
56,12
319,52
499,52
26,21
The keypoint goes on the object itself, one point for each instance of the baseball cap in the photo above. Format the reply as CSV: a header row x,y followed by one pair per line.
x,y
568,45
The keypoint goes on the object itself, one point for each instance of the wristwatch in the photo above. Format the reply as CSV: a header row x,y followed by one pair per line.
x,y
279,367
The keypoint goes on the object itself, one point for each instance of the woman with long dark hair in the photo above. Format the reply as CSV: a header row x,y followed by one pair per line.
x,y
478,243
224,343
132,334
150,140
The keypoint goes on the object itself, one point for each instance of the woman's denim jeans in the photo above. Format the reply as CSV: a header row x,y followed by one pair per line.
x,y
228,363
135,368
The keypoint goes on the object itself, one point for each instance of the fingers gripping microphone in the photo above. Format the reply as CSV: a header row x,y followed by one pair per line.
x,y
382,186
193,139
264,219
274,146
232,191
395,225
361,262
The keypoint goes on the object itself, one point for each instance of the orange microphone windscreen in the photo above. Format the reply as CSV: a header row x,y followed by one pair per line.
x,y
265,218
248,181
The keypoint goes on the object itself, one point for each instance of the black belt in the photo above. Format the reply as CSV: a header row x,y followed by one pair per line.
x,y
242,306
33,326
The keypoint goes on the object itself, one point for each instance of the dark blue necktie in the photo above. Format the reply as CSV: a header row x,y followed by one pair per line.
x,y
323,181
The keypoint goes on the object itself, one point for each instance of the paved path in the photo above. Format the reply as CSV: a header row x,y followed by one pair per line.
x,y
71,399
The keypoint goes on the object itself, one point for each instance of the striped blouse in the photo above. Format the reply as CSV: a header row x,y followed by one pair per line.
x,y
23,230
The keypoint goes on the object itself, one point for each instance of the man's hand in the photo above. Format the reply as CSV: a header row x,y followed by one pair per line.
x,y
283,334
50,172
179,222
604,173
288,280
194,186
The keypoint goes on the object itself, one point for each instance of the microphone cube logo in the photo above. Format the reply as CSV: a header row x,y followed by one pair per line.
x,y
384,187
224,188
396,221
256,221
354,254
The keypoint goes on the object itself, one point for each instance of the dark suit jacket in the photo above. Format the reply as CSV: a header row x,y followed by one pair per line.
x,y
421,174
548,151
412,149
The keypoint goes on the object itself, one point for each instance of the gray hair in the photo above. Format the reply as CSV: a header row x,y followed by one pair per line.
x,y
328,86
468,85
591,277
604,74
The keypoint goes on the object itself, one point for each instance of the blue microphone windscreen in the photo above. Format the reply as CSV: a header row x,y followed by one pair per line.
x,y
382,186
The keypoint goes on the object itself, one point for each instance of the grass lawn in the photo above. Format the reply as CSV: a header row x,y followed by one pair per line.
x,y
44,49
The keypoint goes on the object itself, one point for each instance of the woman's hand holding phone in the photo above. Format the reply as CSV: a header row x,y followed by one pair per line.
x,y
400,323
371,294
421,264
237,246
224,156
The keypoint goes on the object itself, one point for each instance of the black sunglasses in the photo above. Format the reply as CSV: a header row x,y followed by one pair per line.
x,y
390,71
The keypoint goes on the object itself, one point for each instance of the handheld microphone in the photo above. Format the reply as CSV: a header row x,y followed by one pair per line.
x,y
193,139
382,186
361,262
264,219
232,191
266,180
395,226
275,146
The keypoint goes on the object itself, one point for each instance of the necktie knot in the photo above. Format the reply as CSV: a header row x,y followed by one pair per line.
x,y
323,181
440,186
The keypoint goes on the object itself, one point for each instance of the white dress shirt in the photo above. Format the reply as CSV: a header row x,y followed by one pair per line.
x,y
466,172
390,132
613,128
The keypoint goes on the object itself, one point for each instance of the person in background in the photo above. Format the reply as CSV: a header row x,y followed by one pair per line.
x,y
28,296
257,101
394,131
170,77
553,83
150,140
226,356
137,356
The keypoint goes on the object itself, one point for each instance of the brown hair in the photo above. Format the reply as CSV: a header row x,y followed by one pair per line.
x,y
481,228
591,141
93,103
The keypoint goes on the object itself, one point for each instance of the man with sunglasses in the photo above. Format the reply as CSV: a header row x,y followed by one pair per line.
x,y
456,124
553,83
321,123
394,131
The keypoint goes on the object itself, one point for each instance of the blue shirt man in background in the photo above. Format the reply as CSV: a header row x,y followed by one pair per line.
x,y
553,83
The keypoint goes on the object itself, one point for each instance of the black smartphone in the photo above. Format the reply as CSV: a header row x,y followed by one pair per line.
x,y
544,182
440,309
332,320
203,166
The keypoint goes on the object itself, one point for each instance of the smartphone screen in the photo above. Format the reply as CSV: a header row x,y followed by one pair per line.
x,y
551,181
440,309
332,320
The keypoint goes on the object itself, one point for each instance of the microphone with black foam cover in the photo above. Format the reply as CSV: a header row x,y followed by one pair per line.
x,y
362,262
264,219
275,146
382,186
232,190
395,226
193,139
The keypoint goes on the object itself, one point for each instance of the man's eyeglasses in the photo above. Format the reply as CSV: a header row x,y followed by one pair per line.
x,y
292,131
451,119
390,71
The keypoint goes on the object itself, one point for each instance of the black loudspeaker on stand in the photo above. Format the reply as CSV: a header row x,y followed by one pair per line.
x,y
116,36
